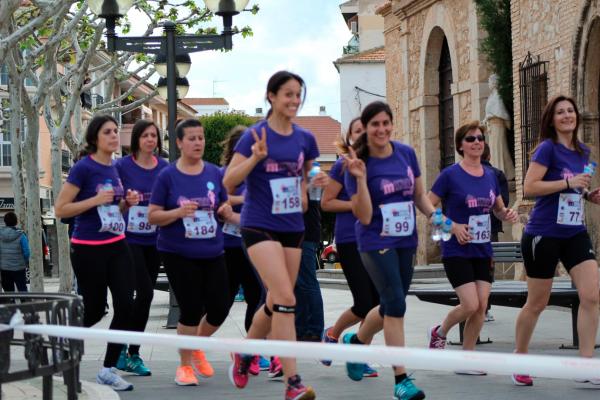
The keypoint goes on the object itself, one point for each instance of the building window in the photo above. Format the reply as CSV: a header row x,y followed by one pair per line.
x,y
533,86
5,159
446,102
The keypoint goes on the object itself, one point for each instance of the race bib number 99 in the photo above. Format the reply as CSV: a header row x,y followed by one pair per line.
x,y
201,226
398,219
286,195
570,209
111,219
138,220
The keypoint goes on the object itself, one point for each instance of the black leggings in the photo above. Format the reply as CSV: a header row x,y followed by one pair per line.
x,y
361,286
146,261
98,268
241,271
10,279
199,285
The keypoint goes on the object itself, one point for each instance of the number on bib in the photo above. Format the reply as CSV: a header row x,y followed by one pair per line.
x,y
570,209
138,220
286,195
201,226
479,228
111,219
398,219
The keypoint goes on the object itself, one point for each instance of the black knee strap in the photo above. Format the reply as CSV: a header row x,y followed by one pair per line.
x,y
267,311
284,309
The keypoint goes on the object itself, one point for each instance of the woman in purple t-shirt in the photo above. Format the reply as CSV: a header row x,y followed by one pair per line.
x,y
336,200
469,191
101,259
274,167
383,180
186,199
556,231
138,172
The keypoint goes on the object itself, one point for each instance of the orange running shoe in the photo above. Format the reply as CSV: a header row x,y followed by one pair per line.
x,y
185,376
201,364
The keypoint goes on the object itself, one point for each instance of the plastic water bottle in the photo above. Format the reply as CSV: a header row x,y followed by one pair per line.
x,y
446,230
590,168
314,193
438,220
107,185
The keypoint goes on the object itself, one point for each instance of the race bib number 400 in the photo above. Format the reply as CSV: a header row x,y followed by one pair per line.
x,y
138,220
286,195
479,228
398,219
111,219
201,226
570,209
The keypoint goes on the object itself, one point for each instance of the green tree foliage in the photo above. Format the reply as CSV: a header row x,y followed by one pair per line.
x,y
216,126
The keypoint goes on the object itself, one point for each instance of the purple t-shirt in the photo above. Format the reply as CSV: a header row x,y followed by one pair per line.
x,y
390,180
140,179
285,159
231,240
170,187
464,195
344,221
562,163
89,175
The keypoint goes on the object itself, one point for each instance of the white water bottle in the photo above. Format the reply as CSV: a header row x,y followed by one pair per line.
x,y
590,168
447,230
314,193
107,186
436,232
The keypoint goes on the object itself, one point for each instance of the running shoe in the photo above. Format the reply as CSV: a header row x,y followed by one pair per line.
x,y
109,377
325,338
201,364
594,381
185,376
522,380
122,361
370,372
472,372
276,369
238,370
264,363
436,341
239,297
254,368
135,364
295,390
406,390
489,317
354,370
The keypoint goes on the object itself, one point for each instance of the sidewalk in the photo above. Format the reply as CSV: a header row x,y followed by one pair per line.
x,y
331,383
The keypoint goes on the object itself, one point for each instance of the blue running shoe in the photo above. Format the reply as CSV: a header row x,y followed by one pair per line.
x,y
325,338
135,364
264,363
370,372
122,361
108,377
354,370
406,390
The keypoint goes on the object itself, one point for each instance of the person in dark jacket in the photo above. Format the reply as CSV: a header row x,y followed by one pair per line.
x,y
14,255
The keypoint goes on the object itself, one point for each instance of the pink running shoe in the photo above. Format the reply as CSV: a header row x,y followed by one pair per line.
x,y
435,340
238,370
276,369
254,368
295,390
522,380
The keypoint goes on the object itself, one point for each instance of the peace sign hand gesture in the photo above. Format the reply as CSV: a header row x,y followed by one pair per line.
x,y
355,165
259,148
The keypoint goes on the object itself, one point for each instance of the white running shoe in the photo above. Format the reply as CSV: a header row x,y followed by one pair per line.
x,y
110,378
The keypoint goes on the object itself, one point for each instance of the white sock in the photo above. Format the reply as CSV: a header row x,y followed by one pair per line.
x,y
440,332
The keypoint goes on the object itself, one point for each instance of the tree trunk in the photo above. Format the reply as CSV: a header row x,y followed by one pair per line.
x,y
16,155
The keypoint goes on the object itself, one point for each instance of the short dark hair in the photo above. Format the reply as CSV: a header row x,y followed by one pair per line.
x,y
279,79
186,123
91,133
10,219
462,132
136,133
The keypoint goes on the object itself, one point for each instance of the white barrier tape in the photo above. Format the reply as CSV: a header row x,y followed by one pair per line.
x,y
416,358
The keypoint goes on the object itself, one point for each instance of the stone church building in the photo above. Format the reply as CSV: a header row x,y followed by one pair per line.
x,y
437,79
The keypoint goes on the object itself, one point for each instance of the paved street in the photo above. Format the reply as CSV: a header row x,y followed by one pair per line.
x,y
331,383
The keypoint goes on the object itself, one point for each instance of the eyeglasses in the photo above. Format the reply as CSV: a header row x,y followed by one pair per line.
x,y
471,139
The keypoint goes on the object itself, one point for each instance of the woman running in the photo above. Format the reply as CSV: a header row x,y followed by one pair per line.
x,y
555,231
187,198
274,166
383,180
469,191
100,256
138,172
364,294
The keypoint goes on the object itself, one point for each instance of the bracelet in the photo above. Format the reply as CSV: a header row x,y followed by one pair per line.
x,y
568,186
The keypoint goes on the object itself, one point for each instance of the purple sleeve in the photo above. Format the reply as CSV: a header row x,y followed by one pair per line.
x,y
244,145
336,173
415,163
440,186
312,150
160,189
543,153
350,184
77,174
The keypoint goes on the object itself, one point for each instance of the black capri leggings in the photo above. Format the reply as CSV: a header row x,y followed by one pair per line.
x,y
364,293
102,267
199,285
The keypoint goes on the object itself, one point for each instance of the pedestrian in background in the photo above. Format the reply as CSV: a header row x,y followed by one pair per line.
x,y
14,255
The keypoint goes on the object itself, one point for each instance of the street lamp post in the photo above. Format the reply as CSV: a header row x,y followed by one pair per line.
x,y
171,49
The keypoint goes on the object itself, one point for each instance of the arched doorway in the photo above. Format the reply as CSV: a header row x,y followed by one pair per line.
x,y
446,108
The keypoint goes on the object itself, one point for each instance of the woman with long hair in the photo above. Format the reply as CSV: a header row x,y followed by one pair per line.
x,y
100,256
273,157
556,231
138,172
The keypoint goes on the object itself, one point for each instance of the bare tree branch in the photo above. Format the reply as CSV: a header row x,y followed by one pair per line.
x,y
128,107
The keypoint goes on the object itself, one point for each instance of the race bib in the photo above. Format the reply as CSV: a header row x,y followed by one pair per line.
x,y
286,195
398,219
111,219
570,209
201,226
232,229
480,228
138,220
